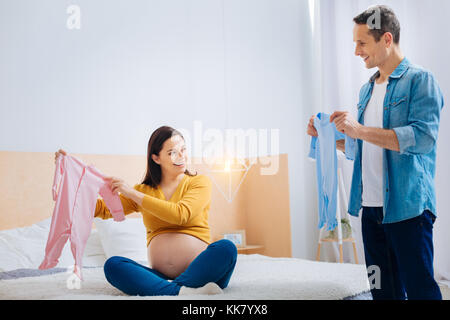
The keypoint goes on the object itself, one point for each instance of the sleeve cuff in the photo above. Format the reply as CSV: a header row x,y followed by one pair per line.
x,y
350,148
406,138
312,149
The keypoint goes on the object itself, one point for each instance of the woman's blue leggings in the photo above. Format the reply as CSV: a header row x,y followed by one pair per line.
x,y
215,264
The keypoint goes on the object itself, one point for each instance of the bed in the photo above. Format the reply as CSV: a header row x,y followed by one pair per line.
x,y
27,205
256,277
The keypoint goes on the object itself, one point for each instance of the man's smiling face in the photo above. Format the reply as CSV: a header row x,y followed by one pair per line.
x,y
373,53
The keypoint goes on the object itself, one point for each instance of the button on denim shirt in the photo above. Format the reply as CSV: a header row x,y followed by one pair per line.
x,y
412,108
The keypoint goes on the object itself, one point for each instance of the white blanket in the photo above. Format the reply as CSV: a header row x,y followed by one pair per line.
x,y
256,277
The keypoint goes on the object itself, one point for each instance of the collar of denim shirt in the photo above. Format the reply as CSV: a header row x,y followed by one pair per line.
x,y
398,72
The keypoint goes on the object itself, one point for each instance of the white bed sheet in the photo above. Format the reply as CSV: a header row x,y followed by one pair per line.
x,y
256,277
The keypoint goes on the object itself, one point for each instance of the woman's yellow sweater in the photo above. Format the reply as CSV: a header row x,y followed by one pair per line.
x,y
185,212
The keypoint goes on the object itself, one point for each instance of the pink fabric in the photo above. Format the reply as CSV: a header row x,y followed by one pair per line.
x,y
75,208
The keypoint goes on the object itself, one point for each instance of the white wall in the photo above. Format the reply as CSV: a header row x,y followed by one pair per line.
x,y
136,65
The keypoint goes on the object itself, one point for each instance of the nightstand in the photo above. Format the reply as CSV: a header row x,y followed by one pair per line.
x,y
249,248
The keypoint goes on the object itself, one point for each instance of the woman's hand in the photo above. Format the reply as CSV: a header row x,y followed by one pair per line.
x,y
60,151
118,185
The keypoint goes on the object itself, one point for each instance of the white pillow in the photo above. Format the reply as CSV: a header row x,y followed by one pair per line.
x,y
127,238
25,248
93,255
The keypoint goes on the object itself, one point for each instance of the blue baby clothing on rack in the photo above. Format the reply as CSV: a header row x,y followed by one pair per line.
x,y
323,149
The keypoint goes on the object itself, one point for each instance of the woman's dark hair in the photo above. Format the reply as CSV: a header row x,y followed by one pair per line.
x,y
155,144
388,22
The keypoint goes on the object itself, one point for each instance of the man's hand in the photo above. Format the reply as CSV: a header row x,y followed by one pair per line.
x,y
311,130
340,145
346,124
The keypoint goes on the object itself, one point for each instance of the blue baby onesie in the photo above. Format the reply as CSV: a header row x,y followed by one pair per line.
x,y
323,149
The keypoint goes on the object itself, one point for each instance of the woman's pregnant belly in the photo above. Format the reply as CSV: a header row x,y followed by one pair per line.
x,y
171,253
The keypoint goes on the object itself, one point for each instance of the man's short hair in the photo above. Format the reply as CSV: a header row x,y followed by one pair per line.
x,y
380,19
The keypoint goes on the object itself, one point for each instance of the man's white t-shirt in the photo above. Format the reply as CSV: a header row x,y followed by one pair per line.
x,y
372,155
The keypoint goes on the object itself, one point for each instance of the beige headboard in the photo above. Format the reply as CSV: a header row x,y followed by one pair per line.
x,y
261,205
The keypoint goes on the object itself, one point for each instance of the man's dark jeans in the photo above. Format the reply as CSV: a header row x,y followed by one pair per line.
x,y
404,253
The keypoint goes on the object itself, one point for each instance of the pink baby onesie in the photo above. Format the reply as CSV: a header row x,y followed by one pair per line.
x,y
75,208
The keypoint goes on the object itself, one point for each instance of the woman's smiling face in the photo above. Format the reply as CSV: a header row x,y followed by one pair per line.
x,y
173,156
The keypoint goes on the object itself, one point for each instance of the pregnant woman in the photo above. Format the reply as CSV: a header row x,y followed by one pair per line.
x,y
174,204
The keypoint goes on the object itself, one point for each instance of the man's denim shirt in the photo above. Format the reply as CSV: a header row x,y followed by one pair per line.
x,y
412,108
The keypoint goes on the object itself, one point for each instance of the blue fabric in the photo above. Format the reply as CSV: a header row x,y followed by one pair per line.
x,y
323,149
412,108
404,253
215,264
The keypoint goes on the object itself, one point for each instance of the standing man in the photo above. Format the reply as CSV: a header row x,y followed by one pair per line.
x,y
394,169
